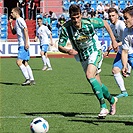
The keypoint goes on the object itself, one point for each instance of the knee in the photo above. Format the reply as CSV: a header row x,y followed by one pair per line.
x,y
18,62
89,75
115,70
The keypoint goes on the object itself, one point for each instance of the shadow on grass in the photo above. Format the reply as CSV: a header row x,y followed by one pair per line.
x,y
83,93
7,83
106,75
65,114
127,123
36,69
90,94
92,116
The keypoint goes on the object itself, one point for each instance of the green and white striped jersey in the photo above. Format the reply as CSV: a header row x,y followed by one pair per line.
x,y
84,40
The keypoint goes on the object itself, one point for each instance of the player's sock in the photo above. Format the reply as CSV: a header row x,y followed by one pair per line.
x,y
30,72
24,71
119,80
107,95
44,60
48,62
98,91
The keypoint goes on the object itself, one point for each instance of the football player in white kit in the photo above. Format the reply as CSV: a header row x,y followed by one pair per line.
x,y
127,44
42,33
20,29
118,27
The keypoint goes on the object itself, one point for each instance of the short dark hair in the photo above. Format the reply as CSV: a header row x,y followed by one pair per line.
x,y
74,10
128,10
50,12
112,10
39,18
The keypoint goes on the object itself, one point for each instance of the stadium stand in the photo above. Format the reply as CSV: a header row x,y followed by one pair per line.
x,y
54,29
66,5
4,27
99,33
59,7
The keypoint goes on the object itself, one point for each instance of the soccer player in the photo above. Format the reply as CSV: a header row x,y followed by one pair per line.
x,y
43,33
118,27
127,43
21,30
86,50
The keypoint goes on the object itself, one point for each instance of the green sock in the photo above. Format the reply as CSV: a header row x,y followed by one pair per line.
x,y
98,91
107,95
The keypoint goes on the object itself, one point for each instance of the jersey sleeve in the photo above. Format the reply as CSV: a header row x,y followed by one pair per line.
x,y
22,23
63,37
97,22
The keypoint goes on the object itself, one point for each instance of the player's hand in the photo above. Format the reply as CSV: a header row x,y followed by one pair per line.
x,y
10,19
26,46
115,45
72,52
124,71
108,51
52,43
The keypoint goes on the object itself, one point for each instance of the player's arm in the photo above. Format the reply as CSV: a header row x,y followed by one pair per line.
x,y
68,51
26,38
63,49
51,39
124,58
120,43
36,39
108,50
109,30
11,26
63,41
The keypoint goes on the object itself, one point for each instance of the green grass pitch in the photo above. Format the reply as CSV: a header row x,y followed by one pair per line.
x,y
63,97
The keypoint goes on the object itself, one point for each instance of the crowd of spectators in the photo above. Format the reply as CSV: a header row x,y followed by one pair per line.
x,y
88,11
99,9
90,8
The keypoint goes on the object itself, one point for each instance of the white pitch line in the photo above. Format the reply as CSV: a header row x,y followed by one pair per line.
x,y
116,116
25,117
76,116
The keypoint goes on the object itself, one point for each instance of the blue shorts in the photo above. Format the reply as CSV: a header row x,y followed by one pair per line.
x,y
44,47
130,60
23,54
117,62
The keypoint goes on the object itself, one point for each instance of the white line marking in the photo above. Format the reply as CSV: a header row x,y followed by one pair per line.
x,y
116,116
25,117
76,116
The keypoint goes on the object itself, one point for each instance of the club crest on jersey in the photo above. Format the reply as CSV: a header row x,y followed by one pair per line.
x,y
82,38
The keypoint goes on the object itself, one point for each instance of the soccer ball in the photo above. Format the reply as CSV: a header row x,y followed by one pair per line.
x,y
39,125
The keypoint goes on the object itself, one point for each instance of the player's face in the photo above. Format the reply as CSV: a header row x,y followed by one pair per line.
x,y
113,17
76,20
39,21
128,19
13,14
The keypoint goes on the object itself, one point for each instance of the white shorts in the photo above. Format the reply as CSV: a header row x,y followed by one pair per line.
x,y
95,58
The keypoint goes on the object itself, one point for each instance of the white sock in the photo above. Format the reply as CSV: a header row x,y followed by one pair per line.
x,y
44,60
30,72
48,62
24,71
120,82
129,68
